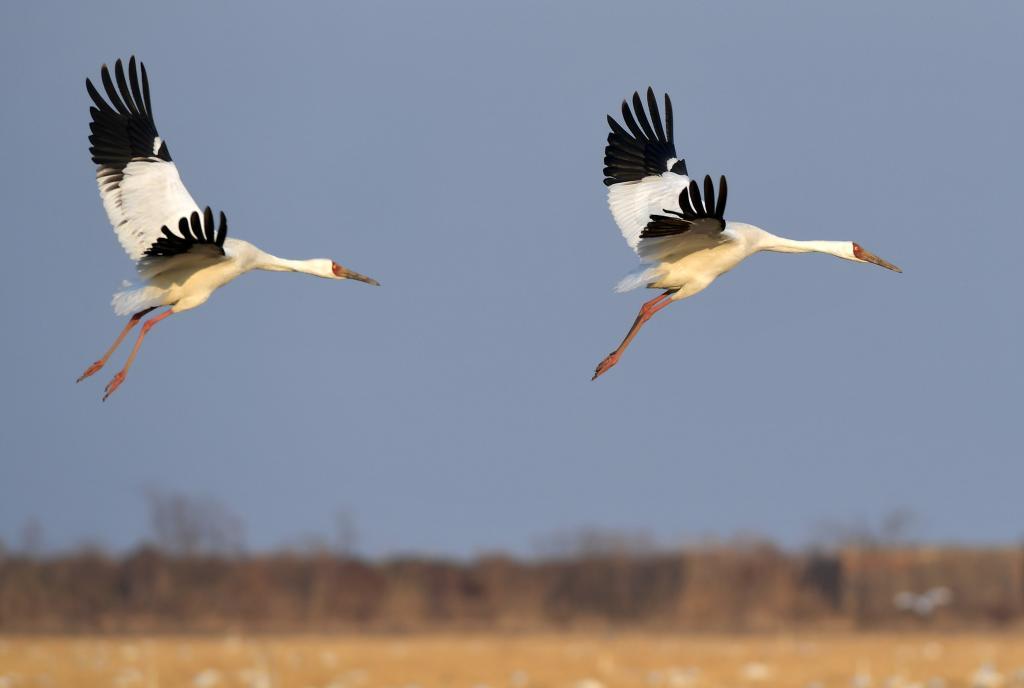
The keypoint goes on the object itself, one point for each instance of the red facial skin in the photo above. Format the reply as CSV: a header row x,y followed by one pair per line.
x,y
336,269
857,250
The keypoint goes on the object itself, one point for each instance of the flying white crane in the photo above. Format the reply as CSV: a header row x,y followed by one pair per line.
x,y
182,256
683,241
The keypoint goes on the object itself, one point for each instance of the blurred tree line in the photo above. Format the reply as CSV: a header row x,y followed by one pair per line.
x,y
196,576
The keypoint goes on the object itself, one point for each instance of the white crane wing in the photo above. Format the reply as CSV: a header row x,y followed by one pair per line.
x,y
139,184
696,225
670,235
642,172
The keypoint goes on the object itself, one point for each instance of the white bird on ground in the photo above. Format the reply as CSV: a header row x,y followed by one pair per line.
x,y
683,241
182,256
924,604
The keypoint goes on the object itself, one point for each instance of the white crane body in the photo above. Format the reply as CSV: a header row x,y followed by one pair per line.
x,y
182,254
682,239
186,281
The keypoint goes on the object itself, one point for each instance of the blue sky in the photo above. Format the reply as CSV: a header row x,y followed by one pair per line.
x,y
454,152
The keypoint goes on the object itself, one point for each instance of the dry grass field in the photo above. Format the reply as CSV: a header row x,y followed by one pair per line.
x,y
493,661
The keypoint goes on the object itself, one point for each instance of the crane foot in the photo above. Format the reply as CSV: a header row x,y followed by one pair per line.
x,y
91,370
606,364
114,384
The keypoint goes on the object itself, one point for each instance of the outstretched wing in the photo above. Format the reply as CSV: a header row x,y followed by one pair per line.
x,y
697,224
642,172
693,212
138,182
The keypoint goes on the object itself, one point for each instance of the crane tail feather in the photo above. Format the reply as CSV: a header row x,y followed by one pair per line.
x,y
638,279
132,301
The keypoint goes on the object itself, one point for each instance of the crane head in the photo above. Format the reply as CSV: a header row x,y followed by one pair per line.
x,y
868,257
340,272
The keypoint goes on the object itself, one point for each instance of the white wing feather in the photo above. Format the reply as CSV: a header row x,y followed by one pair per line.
x,y
633,203
149,196
138,182
646,180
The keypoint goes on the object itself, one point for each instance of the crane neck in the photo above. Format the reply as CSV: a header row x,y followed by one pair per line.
x,y
770,242
267,261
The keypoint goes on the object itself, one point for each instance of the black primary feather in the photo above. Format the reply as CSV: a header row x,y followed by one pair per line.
x,y
208,228
691,210
652,105
197,228
723,190
123,128
644,149
222,231
192,231
693,196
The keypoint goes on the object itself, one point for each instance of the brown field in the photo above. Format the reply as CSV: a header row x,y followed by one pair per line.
x,y
496,661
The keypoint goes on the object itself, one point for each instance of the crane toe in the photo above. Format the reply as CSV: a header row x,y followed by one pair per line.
x,y
605,365
91,370
113,384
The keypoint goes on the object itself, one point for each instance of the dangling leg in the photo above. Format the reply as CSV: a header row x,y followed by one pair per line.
x,y
95,367
646,312
119,378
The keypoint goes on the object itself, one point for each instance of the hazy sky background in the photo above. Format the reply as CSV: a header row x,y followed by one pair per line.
x,y
454,152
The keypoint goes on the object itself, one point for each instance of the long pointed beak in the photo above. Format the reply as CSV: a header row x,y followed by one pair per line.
x,y
352,274
872,258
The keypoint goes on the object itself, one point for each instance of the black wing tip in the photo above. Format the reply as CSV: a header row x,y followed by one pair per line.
x,y
193,230
662,226
723,190
119,66
637,99
118,89
642,146
636,94
126,109
222,231
119,62
171,244
694,208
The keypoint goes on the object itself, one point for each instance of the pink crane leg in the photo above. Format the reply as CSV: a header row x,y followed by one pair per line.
x,y
132,322
119,378
647,311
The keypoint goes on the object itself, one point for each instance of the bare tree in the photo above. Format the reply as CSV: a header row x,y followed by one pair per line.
x,y
346,536
31,538
895,528
589,542
190,525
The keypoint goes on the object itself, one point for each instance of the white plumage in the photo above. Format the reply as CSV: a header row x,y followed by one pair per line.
x,y
632,203
182,254
683,240
149,196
